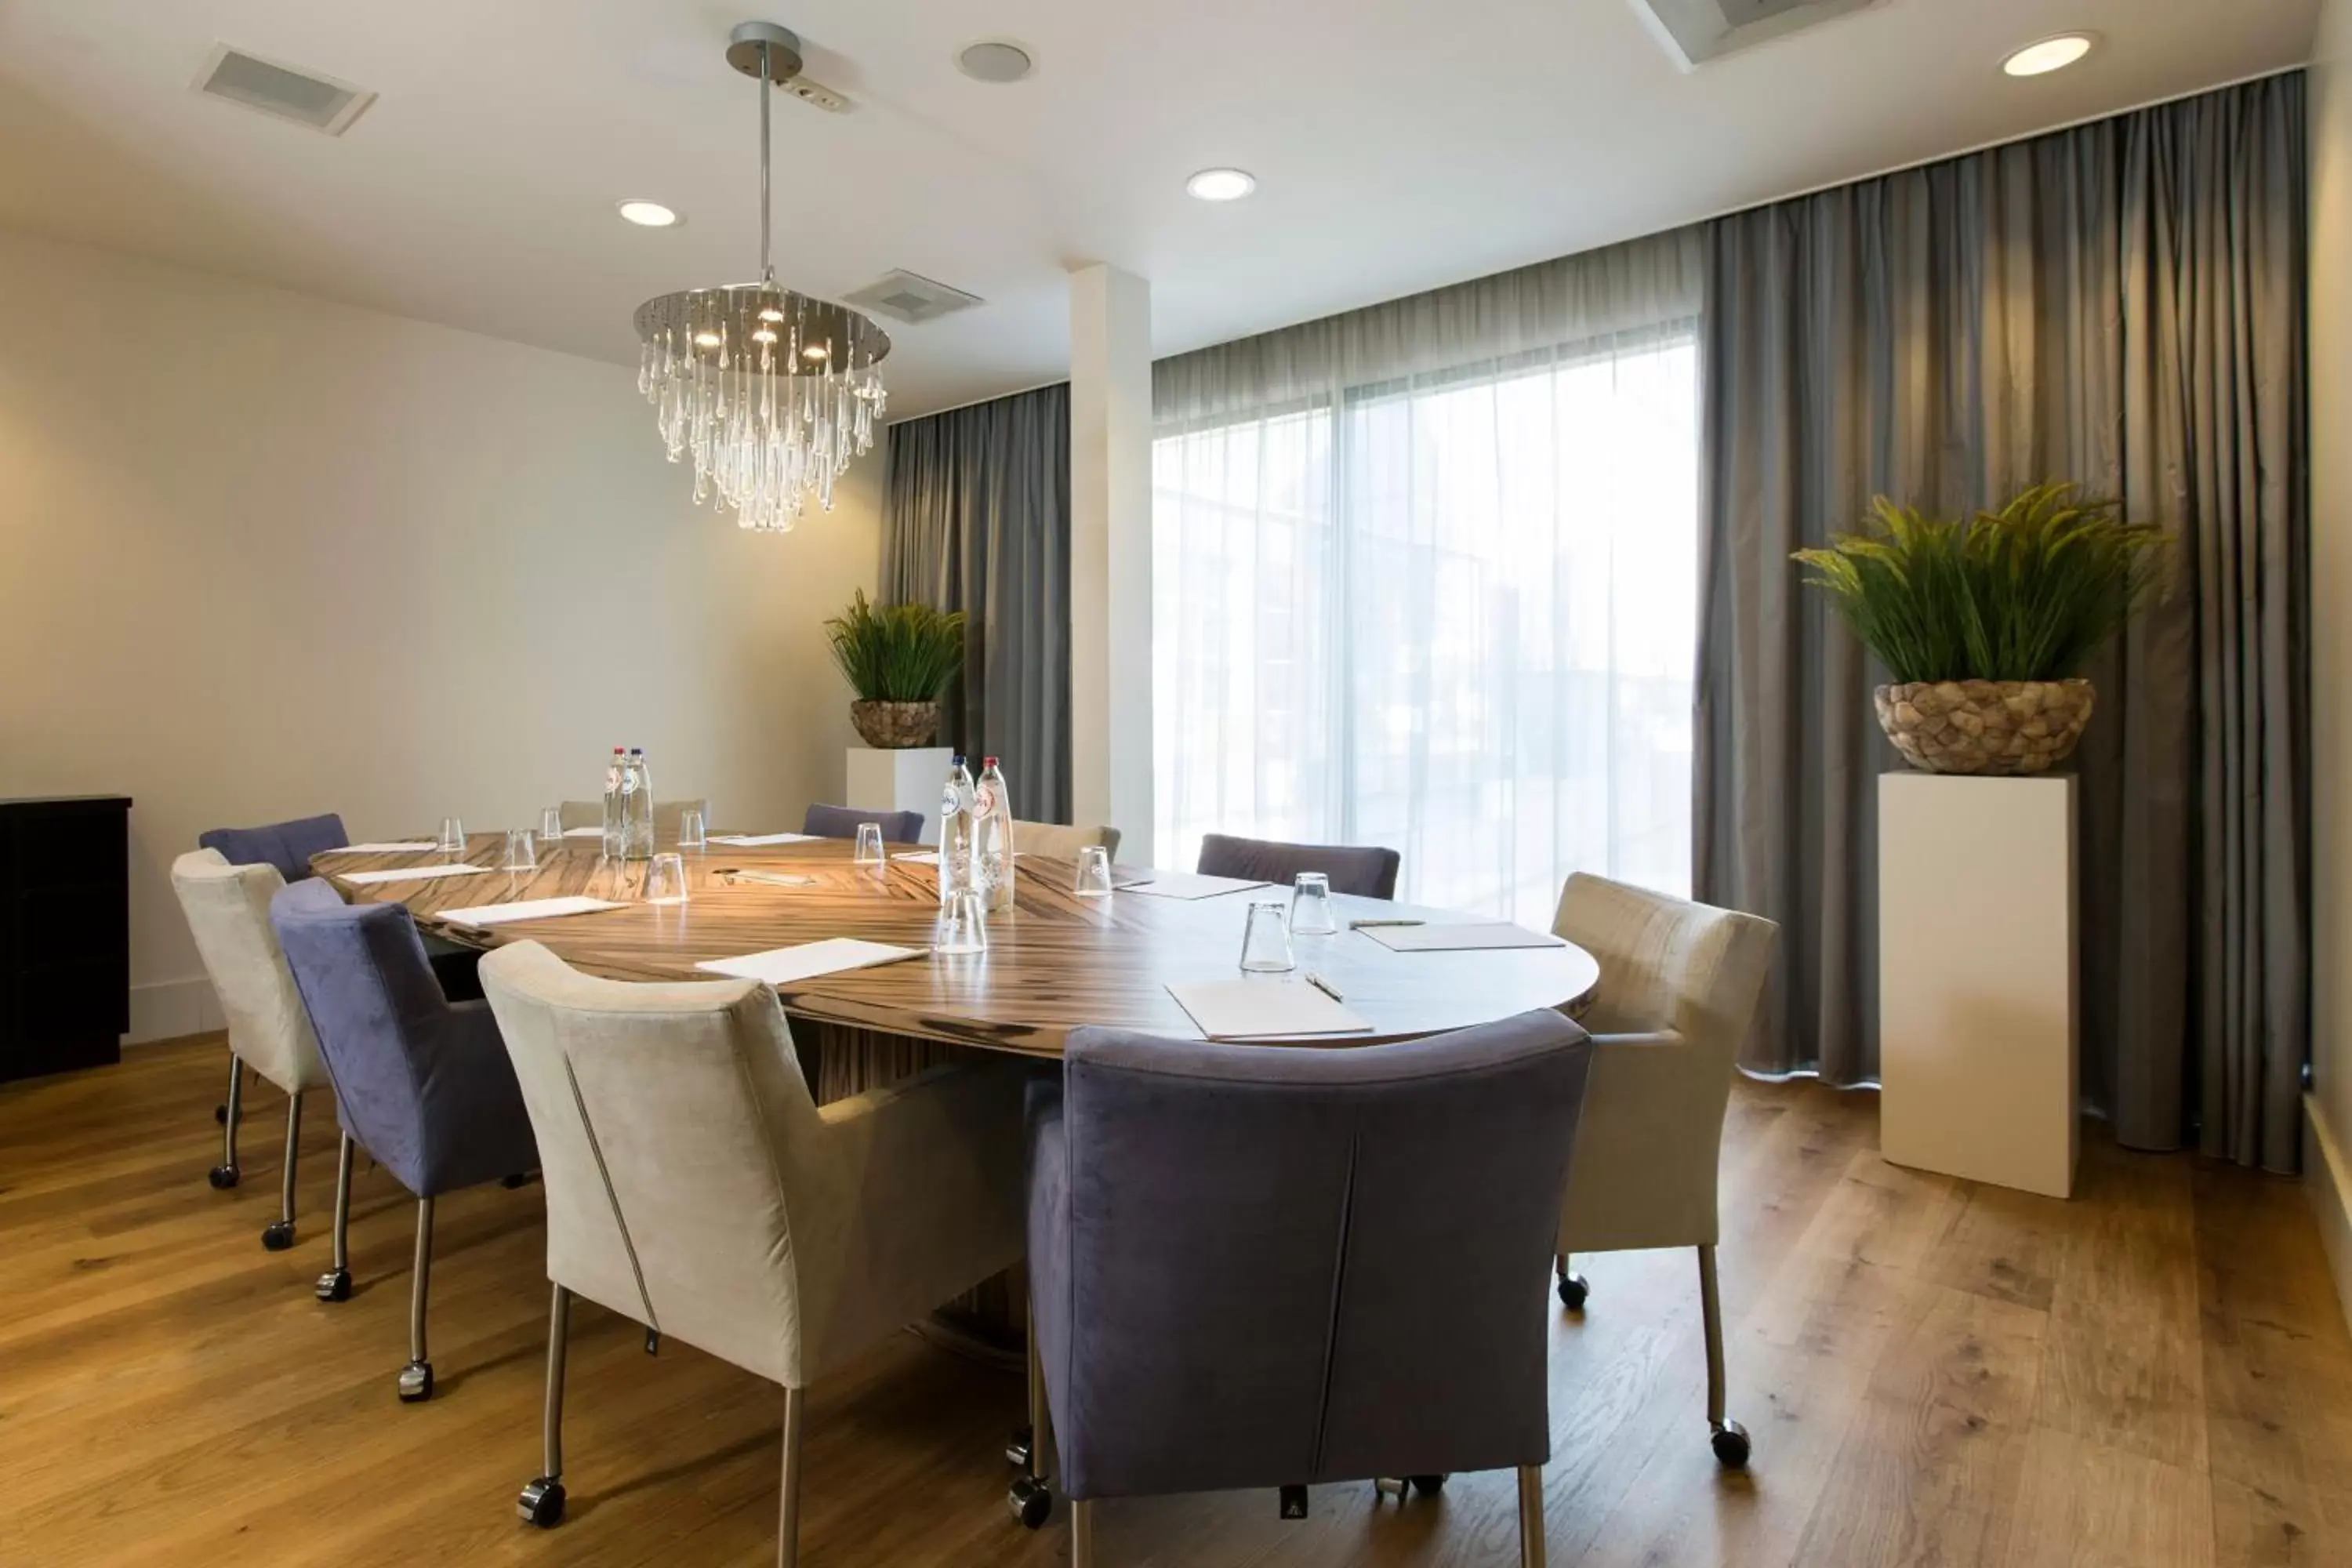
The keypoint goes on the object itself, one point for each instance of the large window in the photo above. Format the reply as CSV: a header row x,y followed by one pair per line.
x,y
1455,616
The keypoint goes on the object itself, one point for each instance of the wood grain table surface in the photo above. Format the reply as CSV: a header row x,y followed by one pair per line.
x,y
1054,961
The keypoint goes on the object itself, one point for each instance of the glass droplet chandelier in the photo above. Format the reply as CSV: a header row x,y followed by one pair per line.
x,y
773,392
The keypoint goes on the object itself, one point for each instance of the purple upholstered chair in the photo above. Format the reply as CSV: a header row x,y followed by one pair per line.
x,y
1366,870
424,1084
841,822
287,845
1259,1267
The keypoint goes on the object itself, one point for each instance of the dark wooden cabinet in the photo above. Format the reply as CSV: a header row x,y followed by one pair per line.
x,y
65,933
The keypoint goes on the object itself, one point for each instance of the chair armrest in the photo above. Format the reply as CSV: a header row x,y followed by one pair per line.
x,y
479,1128
1644,1173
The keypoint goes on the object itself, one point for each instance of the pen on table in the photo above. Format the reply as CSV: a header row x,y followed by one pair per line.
x,y
1359,925
1324,985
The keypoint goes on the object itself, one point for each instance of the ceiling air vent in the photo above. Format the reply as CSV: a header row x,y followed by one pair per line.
x,y
320,102
1697,31
911,298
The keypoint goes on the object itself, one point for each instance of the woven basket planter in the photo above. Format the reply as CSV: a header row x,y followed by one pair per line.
x,y
896,726
1985,726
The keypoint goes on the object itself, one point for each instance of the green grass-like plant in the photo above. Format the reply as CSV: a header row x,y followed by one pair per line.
x,y
2022,594
896,653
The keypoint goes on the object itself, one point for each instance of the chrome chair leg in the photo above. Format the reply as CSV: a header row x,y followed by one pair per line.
x,y
1032,1496
277,1237
1574,1288
788,1511
1531,1517
1728,1436
541,1502
224,1174
335,1284
416,1377
1082,1533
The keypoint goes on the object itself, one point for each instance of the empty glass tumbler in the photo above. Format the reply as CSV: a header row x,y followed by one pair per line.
x,y
453,836
962,925
666,879
1093,872
693,833
869,852
1265,939
1310,906
551,826
522,854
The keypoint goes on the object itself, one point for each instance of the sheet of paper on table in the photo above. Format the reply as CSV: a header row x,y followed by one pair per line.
x,y
404,849
740,839
782,965
1186,885
1268,1008
584,833
1458,938
527,909
412,873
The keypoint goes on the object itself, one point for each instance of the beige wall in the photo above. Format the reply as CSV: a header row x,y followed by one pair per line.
x,y
262,556
2330,1103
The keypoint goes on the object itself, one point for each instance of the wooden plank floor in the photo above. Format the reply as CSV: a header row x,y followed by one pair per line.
x,y
2154,1373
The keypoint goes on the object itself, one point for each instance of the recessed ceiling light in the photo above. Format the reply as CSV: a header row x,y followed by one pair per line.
x,y
648,214
995,62
2049,55
1220,185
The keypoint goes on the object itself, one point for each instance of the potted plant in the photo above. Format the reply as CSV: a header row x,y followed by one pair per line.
x,y
1984,621
899,659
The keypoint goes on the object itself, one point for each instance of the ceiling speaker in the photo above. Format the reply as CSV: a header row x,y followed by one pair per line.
x,y
303,97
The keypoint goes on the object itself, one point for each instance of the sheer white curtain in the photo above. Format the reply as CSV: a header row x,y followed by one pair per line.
x,y
1439,591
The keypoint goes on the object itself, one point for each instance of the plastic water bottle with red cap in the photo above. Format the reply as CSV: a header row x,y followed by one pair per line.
x,y
992,806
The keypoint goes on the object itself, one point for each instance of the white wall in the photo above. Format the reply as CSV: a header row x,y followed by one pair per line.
x,y
262,556
2328,1139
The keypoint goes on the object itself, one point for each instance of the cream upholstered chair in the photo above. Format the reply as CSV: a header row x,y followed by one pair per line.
x,y
1061,841
229,914
666,813
1679,984
694,1186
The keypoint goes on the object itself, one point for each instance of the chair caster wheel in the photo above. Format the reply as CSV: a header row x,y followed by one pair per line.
x,y
1427,1486
1731,1446
278,1236
1384,1487
1032,1501
220,1114
542,1503
335,1285
416,1382
1019,1446
1574,1290
222,1176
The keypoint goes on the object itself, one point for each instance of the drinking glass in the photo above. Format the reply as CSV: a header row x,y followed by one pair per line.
x,y
870,845
666,881
962,925
1265,939
1310,906
453,836
1093,872
550,828
522,854
691,833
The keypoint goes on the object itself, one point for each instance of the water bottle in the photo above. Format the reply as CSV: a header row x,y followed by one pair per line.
x,y
613,834
637,807
955,833
994,829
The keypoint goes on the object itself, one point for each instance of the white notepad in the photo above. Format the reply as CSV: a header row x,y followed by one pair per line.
x,y
740,839
527,909
584,833
412,873
1458,938
1187,885
381,848
782,965
1273,1007
920,857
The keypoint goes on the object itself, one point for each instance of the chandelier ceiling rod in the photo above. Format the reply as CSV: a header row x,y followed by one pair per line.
x,y
767,86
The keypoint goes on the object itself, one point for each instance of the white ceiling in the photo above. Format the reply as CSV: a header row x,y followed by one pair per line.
x,y
1398,146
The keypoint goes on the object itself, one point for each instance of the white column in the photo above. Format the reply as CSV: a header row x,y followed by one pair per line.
x,y
1110,554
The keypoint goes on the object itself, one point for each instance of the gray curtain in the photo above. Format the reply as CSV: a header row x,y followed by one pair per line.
x,y
977,518
2122,305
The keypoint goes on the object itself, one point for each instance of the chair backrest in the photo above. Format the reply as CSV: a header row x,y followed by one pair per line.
x,y
1366,870
841,822
435,1113
227,908
667,813
1060,841
674,1126
1668,964
287,845
1311,1264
